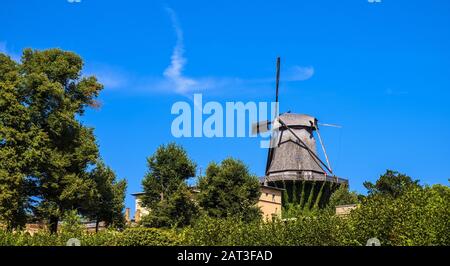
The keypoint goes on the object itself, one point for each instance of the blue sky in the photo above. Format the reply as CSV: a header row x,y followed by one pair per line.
x,y
381,70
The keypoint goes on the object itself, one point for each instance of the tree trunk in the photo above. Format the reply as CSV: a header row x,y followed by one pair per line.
x,y
53,224
97,223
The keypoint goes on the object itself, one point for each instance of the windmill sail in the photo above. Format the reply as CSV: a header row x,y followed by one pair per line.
x,y
260,127
277,83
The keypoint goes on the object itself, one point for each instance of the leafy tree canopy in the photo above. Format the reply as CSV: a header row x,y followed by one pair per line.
x,y
45,151
177,210
391,183
342,196
168,167
165,192
228,189
55,93
19,145
108,200
418,216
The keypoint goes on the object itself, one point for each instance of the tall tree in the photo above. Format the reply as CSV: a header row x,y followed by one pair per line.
x,y
16,147
391,183
108,203
228,189
55,95
167,168
165,192
45,151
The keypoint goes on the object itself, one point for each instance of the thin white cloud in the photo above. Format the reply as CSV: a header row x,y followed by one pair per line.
x,y
114,78
174,72
110,77
174,81
300,73
110,80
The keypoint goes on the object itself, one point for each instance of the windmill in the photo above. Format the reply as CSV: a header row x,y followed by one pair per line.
x,y
293,162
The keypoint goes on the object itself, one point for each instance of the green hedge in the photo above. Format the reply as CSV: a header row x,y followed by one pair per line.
x,y
419,217
322,229
141,236
129,237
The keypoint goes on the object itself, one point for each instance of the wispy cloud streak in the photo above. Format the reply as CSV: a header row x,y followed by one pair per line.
x,y
174,72
299,73
174,80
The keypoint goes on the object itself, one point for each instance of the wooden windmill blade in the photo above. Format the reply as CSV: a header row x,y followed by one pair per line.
x,y
321,141
277,83
261,127
329,125
323,149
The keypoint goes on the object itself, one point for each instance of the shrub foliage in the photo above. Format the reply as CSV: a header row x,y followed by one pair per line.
x,y
420,216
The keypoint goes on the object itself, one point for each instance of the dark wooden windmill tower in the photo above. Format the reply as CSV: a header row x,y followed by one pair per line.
x,y
293,162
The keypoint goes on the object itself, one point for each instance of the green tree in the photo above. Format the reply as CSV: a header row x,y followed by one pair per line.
x,y
108,202
177,210
71,223
391,183
165,192
20,143
168,167
13,116
418,216
56,94
342,196
228,189
45,151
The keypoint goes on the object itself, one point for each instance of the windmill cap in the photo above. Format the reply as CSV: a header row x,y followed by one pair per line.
x,y
291,119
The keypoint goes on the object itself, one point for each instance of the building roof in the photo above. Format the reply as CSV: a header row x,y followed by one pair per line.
x,y
291,119
291,155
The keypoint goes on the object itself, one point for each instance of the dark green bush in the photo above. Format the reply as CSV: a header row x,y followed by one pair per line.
x,y
129,237
141,236
321,229
420,216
